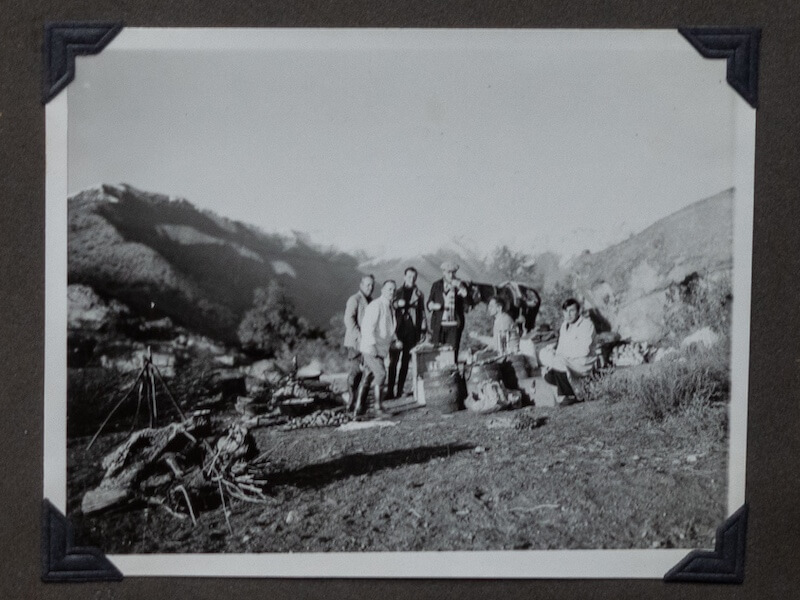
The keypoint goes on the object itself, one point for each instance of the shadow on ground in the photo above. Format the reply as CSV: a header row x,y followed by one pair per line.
x,y
353,465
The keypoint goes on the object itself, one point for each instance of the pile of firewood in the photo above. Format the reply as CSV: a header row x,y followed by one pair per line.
x,y
184,467
320,418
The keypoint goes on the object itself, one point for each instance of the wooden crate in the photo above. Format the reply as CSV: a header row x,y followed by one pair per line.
x,y
425,359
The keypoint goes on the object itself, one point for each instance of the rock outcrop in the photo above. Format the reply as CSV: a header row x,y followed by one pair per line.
x,y
628,283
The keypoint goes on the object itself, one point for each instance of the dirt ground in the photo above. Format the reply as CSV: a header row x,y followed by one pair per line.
x,y
592,475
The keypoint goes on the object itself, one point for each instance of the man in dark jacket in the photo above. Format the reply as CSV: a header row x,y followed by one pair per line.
x,y
412,324
353,318
448,300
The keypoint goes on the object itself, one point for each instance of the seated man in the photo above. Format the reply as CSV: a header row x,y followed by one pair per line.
x,y
505,330
573,357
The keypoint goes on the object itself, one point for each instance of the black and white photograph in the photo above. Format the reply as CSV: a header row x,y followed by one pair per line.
x,y
398,302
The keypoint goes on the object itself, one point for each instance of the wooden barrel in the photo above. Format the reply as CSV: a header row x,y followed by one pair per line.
x,y
444,390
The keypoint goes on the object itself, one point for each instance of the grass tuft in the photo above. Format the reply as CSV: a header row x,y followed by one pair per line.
x,y
694,385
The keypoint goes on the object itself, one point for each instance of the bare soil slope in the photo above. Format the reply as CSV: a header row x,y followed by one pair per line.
x,y
589,476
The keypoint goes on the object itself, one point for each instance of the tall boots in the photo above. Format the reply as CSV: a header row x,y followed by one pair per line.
x,y
360,408
361,397
353,390
401,383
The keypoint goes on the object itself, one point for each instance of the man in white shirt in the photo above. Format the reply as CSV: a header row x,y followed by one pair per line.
x,y
573,357
377,337
505,330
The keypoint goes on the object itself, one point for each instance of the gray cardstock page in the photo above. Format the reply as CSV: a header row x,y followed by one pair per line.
x,y
388,148
165,96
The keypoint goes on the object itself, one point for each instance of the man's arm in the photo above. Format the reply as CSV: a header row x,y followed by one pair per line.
x,y
585,337
422,313
396,299
434,300
351,314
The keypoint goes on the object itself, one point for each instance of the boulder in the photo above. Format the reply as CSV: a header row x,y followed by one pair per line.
x,y
226,360
261,369
705,337
664,353
310,371
86,310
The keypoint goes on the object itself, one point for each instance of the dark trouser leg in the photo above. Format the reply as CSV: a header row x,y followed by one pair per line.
x,y
362,394
354,375
394,356
452,337
405,358
561,381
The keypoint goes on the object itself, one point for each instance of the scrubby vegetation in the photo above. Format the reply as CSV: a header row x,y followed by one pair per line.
x,y
698,302
273,329
271,326
690,390
91,393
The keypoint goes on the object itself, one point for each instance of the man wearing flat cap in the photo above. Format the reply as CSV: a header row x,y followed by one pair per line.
x,y
447,301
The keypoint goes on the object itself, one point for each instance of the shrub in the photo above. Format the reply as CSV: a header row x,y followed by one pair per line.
x,y
193,381
336,330
550,311
689,384
698,302
271,326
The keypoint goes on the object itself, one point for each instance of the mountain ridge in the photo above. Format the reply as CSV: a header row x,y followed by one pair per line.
x,y
162,255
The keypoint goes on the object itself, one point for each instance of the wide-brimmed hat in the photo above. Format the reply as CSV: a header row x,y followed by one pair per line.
x,y
449,265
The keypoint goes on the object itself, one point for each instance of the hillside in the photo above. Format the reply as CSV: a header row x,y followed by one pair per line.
x,y
627,282
164,257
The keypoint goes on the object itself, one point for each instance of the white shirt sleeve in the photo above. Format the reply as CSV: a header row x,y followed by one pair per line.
x,y
371,314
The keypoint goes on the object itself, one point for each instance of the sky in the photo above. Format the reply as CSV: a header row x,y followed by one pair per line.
x,y
397,141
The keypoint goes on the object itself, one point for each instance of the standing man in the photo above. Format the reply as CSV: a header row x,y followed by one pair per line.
x,y
377,337
573,357
448,299
353,318
409,306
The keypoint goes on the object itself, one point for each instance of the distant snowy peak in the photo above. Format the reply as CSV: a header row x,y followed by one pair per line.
x,y
472,263
452,248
